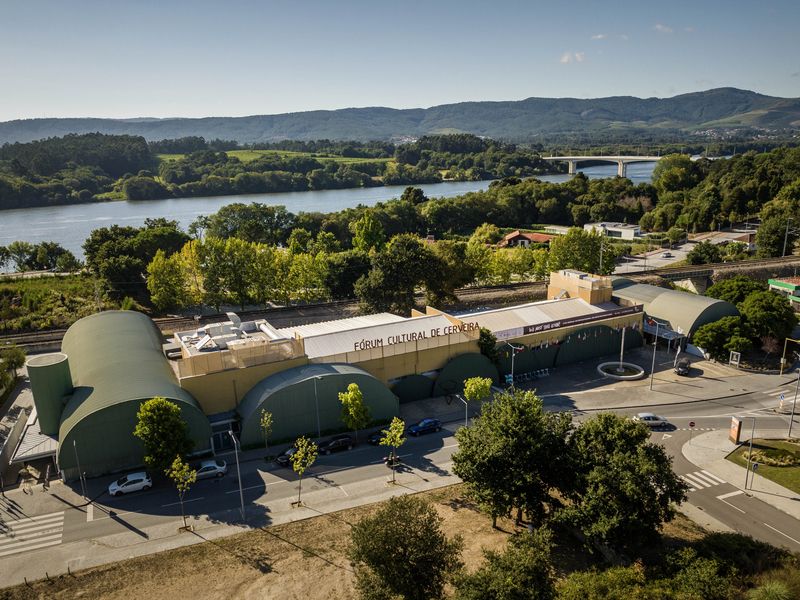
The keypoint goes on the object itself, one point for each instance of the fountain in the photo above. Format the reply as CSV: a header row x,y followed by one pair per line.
x,y
621,370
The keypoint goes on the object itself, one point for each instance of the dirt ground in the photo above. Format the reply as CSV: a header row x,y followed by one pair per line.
x,y
305,560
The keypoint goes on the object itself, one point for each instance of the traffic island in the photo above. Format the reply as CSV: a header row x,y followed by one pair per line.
x,y
621,371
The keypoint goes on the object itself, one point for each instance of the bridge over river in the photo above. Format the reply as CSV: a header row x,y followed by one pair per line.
x,y
622,161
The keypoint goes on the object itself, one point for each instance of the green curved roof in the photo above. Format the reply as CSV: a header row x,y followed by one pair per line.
x,y
115,358
680,309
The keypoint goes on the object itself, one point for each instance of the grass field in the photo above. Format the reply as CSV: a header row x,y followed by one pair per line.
x,y
250,155
788,477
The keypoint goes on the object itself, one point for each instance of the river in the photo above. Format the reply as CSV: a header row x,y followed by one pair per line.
x,y
70,225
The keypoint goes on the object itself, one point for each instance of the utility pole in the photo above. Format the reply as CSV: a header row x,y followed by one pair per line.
x,y
786,237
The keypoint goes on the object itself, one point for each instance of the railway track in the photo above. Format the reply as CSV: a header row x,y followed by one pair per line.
x,y
171,324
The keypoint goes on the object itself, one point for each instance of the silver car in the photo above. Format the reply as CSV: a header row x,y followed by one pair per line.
x,y
212,468
650,420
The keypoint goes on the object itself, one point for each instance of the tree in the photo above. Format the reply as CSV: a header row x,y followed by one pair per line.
x,y
354,413
771,235
622,485
394,438
720,338
13,358
486,234
734,290
254,222
448,270
22,255
487,345
413,195
580,250
402,550
514,455
302,459
368,234
299,240
67,263
477,388
167,281
163,432
183,477
342,272
522,572
769,345
704,253
5,257
266,427
675,234
769,314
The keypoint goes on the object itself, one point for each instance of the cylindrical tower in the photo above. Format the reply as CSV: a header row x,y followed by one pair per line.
x,y
51,381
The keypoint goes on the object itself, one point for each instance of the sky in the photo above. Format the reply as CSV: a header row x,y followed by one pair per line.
x,y
176,58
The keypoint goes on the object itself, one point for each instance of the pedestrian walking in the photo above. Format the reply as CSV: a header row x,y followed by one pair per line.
x,y
2,491
46,484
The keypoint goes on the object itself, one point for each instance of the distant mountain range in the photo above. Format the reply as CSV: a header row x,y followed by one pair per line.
x,y
517,121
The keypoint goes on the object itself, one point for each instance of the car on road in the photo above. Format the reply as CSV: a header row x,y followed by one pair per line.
x,y
212,468
650,420
133,482
666,255
683,367
376,437
284,458
337,443
425,426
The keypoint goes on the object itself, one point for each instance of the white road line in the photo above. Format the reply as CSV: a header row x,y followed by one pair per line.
x,y
714,476
122,514
19,531
341,488
177,503
691,487
334,470
31,536
90,512
39,519
722,499
783,534
700,477
778,393
729,495
53,542
699,484
253,487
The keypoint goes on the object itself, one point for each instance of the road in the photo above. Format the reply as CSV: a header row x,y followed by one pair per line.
x,y
654,261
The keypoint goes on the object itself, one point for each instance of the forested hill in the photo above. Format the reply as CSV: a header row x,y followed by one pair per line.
x,y
517,121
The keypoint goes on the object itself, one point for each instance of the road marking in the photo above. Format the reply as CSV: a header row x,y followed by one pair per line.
x,y
700,477
714,476
442,447
90,512
783,534
341,488
44,542
334,470
698,483
177,503
31,533
778,393
377,462
666,436
122,514
722,499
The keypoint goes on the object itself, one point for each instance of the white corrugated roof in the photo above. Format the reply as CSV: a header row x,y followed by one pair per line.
x,y
324,327
340,341
504,319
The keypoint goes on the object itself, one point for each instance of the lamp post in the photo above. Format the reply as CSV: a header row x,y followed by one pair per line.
x,y
513,354
602,235
653,368
786,236
77,462
238,471
783,356
466,407
794,402
750,454
316,401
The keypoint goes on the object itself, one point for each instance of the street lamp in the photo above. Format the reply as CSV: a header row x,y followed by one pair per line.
x,y
514,353
238,471
786,236
653,368
77,462
750,454
602,235
466,416
316,401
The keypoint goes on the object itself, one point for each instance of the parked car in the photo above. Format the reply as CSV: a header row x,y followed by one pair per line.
x,y
336,443
283,459
133,482
425,426
666,255
650,420
683,367
212,468
376,437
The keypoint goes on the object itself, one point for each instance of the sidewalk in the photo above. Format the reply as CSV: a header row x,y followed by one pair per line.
x,y
708,451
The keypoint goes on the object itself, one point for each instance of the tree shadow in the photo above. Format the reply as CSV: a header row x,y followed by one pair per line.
x,y
259,561
305,550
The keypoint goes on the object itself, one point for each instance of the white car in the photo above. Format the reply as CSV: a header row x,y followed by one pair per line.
x,y
212,468
650,420
132,482
666,255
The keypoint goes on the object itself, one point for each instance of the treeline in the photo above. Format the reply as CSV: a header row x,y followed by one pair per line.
x,y
345,149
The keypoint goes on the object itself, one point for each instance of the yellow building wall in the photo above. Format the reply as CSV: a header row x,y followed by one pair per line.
x,y
415,363
216,392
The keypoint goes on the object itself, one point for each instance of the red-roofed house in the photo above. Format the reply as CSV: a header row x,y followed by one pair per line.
x,y
525,239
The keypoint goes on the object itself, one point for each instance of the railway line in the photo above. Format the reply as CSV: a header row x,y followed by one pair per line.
x,y
171,324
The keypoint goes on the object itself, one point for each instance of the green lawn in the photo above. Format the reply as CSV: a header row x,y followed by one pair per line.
x,y
788,477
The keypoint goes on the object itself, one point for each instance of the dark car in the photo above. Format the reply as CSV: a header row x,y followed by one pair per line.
x,y
376,437
283,459
336,443
683,367
425,426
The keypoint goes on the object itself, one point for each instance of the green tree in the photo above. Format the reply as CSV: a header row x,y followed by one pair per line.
x,y
477,388
302,459
22,255
163,432
769,314
183,477
487,345
67,263
402,550
720,338
771,235
394,438
734,290
254,222
327,243
13,358
675,234
486,234
368,234
622,485
413,195
514,455
580,250
522,572
448,270
355,414
704,253
167,281
299,240
5,257
342,271
672,173
266,427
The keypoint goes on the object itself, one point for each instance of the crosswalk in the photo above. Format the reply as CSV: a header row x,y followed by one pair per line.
x,y
788,397
701,479
23,535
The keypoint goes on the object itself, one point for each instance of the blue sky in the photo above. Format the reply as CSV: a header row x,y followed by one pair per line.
x,y
168,58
